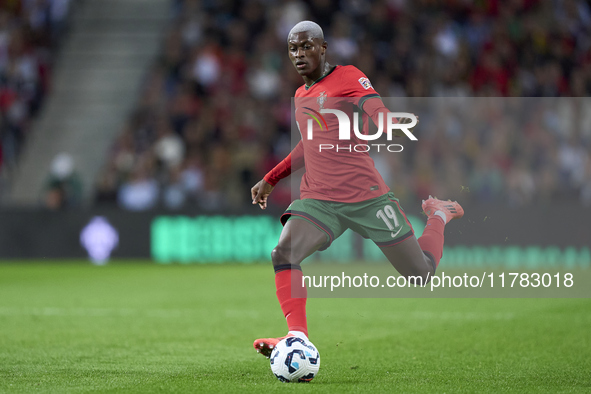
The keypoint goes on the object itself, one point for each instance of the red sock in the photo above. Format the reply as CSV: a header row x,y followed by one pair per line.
x,y
292,296
432,239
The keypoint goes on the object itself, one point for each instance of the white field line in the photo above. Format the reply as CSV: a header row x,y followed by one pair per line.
x,y
462,315
95,312
230,313
119,312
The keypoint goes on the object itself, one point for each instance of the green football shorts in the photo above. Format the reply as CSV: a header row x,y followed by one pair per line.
x,y
380,219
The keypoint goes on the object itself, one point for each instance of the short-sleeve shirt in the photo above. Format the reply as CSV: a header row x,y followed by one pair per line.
x,y
345,173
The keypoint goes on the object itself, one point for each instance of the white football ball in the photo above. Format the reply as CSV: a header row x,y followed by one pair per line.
x,y
295,360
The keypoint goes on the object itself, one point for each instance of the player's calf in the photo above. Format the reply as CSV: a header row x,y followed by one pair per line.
x,y
439,213
422,278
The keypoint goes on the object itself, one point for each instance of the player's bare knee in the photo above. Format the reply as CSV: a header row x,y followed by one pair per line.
x,y
282,255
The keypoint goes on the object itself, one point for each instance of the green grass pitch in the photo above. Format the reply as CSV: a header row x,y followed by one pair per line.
x,y
142,327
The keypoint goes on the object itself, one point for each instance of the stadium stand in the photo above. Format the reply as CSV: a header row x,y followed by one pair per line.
x,y
30,36
95,82
214,116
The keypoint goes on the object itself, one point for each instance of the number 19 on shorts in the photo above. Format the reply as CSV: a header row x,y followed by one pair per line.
x,y
388,215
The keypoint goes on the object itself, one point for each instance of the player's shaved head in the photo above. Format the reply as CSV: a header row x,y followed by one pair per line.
x,y
307,49
312,28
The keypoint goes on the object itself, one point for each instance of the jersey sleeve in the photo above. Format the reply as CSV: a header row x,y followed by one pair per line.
x,y
293,162
358,86
374,106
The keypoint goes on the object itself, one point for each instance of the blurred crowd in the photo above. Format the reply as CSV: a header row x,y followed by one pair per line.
x,y
214,112
494,149
30,31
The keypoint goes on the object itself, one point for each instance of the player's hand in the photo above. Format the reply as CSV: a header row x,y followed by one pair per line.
x,y
399,133
408,120
260,192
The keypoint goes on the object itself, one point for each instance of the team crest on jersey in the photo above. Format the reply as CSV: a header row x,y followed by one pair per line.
x,y
321,99
365,83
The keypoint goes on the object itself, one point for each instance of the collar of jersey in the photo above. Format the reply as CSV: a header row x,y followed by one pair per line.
x,y
319,79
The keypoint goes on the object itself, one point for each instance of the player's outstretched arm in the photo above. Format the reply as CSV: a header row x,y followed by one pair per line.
x,y
260,193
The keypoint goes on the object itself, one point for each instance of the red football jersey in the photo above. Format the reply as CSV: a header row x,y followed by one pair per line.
x,y
340,174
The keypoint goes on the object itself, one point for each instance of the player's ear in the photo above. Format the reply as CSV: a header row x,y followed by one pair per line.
x,y
324,46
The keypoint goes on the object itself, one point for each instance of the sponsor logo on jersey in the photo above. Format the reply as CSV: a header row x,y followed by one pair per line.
x,y
365,83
